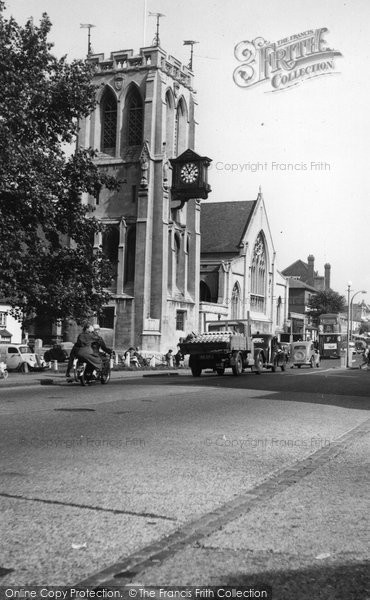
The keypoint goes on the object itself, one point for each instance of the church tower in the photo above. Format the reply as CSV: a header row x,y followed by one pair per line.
x,y
143,118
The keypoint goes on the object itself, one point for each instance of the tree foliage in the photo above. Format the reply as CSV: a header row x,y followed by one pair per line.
x,y
47,265
326,301
364,328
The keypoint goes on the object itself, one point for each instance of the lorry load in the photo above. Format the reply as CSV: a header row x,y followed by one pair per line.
x,y
219,350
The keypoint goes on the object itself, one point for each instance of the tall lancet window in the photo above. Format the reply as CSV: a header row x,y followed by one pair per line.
x,y
135,118
258,275
170,123
235,302
181,121
109,122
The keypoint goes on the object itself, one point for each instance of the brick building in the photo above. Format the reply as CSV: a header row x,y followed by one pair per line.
x,y
304,282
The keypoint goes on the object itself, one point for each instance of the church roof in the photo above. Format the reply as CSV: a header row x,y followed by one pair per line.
x,y
223,225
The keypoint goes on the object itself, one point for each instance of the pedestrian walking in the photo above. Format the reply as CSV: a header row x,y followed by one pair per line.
x,y
365,358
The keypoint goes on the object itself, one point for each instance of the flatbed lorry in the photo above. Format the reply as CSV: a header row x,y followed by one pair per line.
x,y
220,350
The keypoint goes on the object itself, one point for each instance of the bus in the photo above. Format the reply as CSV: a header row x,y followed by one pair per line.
x,y
332,334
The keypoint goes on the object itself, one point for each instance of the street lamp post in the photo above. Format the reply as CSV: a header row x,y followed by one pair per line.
x,y
351,309
348,318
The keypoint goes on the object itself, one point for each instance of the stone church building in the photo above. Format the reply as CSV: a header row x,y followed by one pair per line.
x,y
239,279
144,117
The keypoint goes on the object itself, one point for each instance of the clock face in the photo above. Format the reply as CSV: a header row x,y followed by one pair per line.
x,y
189,173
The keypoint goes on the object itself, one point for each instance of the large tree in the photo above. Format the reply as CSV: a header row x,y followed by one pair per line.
x,y
326,301
47,266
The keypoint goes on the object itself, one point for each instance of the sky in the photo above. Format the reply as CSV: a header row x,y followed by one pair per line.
x,y
307,146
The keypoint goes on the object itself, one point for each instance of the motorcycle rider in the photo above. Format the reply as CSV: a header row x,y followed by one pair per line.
x,y
87,347
73,353
98,342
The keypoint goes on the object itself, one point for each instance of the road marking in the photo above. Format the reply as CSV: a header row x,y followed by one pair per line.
x,y
87,506
317,372
156,553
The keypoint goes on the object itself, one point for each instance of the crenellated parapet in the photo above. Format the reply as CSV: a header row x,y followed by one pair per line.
x,y
152,57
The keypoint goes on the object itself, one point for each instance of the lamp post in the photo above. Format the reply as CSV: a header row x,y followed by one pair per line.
x,y
348,318
351,309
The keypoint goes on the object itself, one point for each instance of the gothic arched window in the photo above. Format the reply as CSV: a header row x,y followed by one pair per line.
x,y
130,255
177,246
108,122
110,242
258,275
278,311
170,118
135,117
204,292
235,302
180,127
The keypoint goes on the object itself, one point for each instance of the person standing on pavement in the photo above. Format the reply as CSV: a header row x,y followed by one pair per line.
x,y
365,357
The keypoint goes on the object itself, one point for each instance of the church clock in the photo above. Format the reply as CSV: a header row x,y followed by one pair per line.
x,y
189,176
189,173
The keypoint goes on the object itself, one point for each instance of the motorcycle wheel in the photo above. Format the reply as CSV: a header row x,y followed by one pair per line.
x,y
105,376
80,374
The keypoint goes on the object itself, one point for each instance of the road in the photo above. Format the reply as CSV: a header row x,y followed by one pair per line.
x,y
137,478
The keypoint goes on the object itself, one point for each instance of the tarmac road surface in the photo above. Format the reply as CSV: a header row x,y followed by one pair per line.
x,y
188,481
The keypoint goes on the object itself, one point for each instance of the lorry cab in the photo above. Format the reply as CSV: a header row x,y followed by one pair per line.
x,y
17,356
268,352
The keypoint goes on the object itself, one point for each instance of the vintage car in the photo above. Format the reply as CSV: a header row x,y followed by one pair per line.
x,y
268,352
19,357
304,353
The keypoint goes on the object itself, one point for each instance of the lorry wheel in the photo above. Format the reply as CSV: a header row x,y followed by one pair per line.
x,y
196,370
258,365
238,367
220,371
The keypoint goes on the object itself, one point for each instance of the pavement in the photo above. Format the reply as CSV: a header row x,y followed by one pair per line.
x,y
302,535
50,377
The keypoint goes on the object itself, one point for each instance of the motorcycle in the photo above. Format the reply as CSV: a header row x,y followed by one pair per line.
x,y
86,376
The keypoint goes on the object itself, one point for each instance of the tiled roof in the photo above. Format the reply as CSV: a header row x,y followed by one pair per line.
x,y
5,333
223,224
296,283
298,265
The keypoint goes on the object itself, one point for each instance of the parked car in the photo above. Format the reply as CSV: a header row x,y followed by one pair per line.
x,y
59,352
19,357
269,352
305,353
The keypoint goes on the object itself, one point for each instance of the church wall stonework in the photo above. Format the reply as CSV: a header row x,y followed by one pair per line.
x,y
149,309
